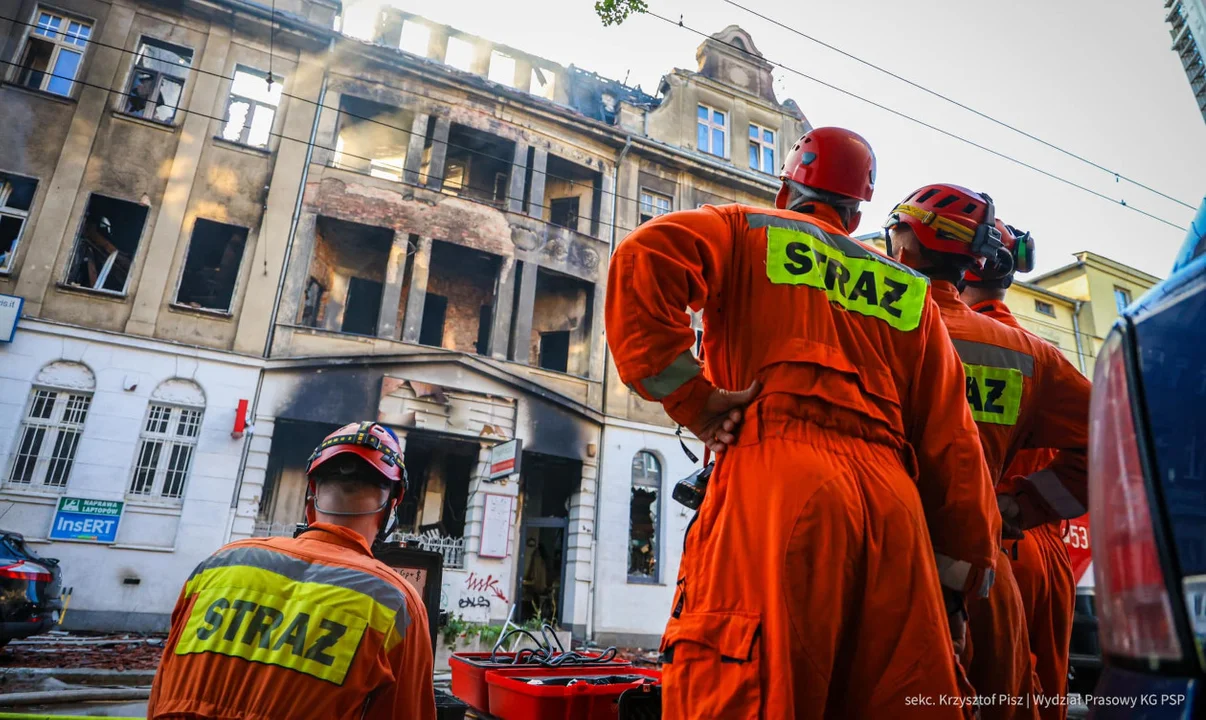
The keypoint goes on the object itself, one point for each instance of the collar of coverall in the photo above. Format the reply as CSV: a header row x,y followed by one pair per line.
x,y
822,212
337,535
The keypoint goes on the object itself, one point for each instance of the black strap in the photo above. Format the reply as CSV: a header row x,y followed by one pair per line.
x,y
690,455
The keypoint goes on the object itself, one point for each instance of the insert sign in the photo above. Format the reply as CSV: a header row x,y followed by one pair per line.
x,y
86,520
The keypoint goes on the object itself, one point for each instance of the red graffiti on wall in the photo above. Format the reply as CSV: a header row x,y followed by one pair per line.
x,y
477,583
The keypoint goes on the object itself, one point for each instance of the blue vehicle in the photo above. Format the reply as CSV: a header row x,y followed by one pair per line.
x,y
1147,498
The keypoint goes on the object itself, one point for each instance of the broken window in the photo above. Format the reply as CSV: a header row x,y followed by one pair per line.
x,y
478,165
212,265
459,306
165,451
502,68
252,107
460,53
347,277
157,80
654,204
16,197
372,137
416,38
574,195
108,241
544,83
54,51
561,317
643,517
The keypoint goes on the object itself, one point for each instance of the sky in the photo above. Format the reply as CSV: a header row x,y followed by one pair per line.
x,y
1095,77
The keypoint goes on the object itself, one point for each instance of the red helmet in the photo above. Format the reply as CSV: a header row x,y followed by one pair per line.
x,y
1018,259
376,444
832,159
951,219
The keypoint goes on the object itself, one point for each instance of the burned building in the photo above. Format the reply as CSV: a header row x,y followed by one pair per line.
x,y
393,221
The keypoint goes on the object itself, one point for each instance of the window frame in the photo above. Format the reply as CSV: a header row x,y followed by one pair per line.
x,y
652,195
234,288
10,262
59,43
79,238
253,108
168,441
710,123
1044,308
48,445
763,145
1121,293
147,112
658,523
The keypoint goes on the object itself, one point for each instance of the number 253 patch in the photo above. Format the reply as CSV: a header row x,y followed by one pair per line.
x,y
994,394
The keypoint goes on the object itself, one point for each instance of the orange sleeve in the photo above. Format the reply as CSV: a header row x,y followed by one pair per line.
x,y
411,696
180,613
1060,490
670,263
953,480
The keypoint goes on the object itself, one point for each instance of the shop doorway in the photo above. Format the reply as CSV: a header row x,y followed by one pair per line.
x,y
548,483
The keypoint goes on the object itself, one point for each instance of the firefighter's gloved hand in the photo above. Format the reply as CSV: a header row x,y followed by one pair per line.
x,y
717,423
1011,517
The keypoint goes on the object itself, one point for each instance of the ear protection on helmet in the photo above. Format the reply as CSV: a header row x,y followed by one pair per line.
x,y
1023,250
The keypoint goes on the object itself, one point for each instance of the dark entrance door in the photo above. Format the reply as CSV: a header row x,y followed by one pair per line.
x,y
548,484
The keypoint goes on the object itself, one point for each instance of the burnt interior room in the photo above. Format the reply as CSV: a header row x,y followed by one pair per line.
x,y
573,194
347,277
440,469
283,499
107,244
459,305
372,137
211,267
478,165
561,315
548,483
16,198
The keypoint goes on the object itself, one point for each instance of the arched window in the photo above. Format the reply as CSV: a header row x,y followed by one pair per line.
x,y
169,440
643,517
54,421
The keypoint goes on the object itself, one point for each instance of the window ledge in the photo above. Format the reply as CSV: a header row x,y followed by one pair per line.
x,y
242,147
144,548
53,97
139,120
152,506
109,295
645,581
49,496
206,312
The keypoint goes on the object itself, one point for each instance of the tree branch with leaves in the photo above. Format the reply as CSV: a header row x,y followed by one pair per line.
x,y
614,12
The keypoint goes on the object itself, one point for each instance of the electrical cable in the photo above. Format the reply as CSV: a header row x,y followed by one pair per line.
x,y
318,106
935,93
544,654
925,124
306,143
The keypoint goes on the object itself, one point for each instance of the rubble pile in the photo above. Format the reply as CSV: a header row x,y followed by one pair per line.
x,y
127,651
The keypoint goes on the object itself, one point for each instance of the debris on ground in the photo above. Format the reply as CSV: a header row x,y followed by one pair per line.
x,y
639,657
126,651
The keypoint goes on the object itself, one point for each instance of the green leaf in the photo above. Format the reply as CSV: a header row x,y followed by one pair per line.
x,y
614,12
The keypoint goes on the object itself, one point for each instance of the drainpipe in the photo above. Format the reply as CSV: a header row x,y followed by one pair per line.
x,y
594,580
280,284
1080,354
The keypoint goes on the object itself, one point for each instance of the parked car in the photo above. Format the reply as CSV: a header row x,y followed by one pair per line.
x,y
29,590
1147,498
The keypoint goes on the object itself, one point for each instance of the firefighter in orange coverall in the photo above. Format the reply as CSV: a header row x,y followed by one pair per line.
x,y
307,627
1023,394
1039,559
808,587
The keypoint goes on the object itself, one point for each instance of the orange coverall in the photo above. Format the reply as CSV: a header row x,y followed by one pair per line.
x,y
808,587
1042,568
1024,394
312,627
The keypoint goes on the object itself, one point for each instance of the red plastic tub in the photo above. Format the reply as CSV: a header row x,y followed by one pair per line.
x,y
513,699
469,675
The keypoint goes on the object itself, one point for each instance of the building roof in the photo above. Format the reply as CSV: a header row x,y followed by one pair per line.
x,y
1101,262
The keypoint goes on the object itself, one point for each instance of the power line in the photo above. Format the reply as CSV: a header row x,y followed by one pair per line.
x,y
925,124
934,93
306,143
319,106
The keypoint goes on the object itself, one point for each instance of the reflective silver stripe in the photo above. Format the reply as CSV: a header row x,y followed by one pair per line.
x,y
951,572
1051,489
679,373
309,572
977,353
841,243
990,576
